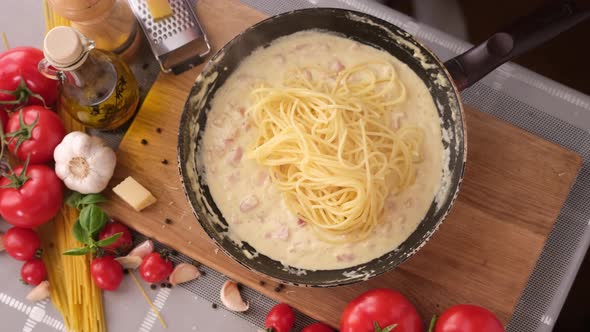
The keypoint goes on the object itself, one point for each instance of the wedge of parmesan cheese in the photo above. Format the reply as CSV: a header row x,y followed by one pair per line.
x,y
134,194
159,9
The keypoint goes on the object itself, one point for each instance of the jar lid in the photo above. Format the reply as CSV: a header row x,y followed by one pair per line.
x,y
65,47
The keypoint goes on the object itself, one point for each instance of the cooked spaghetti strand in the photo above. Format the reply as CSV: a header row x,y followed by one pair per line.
x,y
332,147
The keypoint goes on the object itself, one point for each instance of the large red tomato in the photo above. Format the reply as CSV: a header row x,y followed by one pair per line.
x,y
380,309
21,80
33,133
468,318
30,197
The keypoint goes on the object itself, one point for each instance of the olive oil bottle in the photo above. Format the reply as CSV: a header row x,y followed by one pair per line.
x,y
95,87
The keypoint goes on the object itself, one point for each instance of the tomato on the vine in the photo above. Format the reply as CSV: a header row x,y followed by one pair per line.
x,y
30,196
33,272
34,132
468,318
280,318
380,309
106,272
21,83
123,243
22,243
317,327
155,267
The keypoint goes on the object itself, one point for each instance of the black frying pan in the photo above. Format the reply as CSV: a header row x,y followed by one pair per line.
x,y
444,81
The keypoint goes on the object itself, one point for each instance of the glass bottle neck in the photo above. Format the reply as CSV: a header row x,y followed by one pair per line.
x,y
93,81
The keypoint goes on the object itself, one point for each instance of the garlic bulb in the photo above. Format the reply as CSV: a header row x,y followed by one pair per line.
x,y
84,163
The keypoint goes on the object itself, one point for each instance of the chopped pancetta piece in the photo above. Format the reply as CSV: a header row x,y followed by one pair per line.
x,y
249,203
348,257
280,59
235,157
261,178
233,177
282,233
336,66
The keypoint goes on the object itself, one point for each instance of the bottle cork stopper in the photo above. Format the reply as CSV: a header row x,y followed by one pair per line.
x,y
62,47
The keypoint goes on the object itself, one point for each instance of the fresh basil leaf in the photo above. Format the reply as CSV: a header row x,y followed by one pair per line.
x,y
92,219
92,199
109,240
73,199
80,233
77,251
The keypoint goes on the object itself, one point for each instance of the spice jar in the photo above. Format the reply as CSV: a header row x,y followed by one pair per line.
x,y
110,23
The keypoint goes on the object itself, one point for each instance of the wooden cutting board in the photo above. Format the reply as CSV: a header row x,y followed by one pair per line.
x,y
514,188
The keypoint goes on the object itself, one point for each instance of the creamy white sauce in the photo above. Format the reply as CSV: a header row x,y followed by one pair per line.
x,y
242,189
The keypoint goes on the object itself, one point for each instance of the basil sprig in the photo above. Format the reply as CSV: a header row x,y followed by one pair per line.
x,y
92,219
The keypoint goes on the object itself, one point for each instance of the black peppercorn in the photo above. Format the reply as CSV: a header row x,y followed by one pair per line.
x,y
214,305
165,161
144,141
262,283
158,130
168,221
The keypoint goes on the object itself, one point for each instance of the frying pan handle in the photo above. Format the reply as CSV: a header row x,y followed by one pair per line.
x,y
525,34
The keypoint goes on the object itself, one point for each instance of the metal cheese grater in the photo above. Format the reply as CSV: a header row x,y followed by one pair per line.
x,y
178,41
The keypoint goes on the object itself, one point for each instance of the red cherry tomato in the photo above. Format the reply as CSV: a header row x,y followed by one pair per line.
x,y
21,243
106,272
280,318
34,132
318,327
380,309
34,199
19,74
33,272
468,318
155,268
123,243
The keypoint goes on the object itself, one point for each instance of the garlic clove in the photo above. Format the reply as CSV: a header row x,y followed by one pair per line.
x,y
40,292
129,262
184,272
2,242
143,249
231,297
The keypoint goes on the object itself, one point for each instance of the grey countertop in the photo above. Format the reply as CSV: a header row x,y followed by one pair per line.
x,y
511,93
